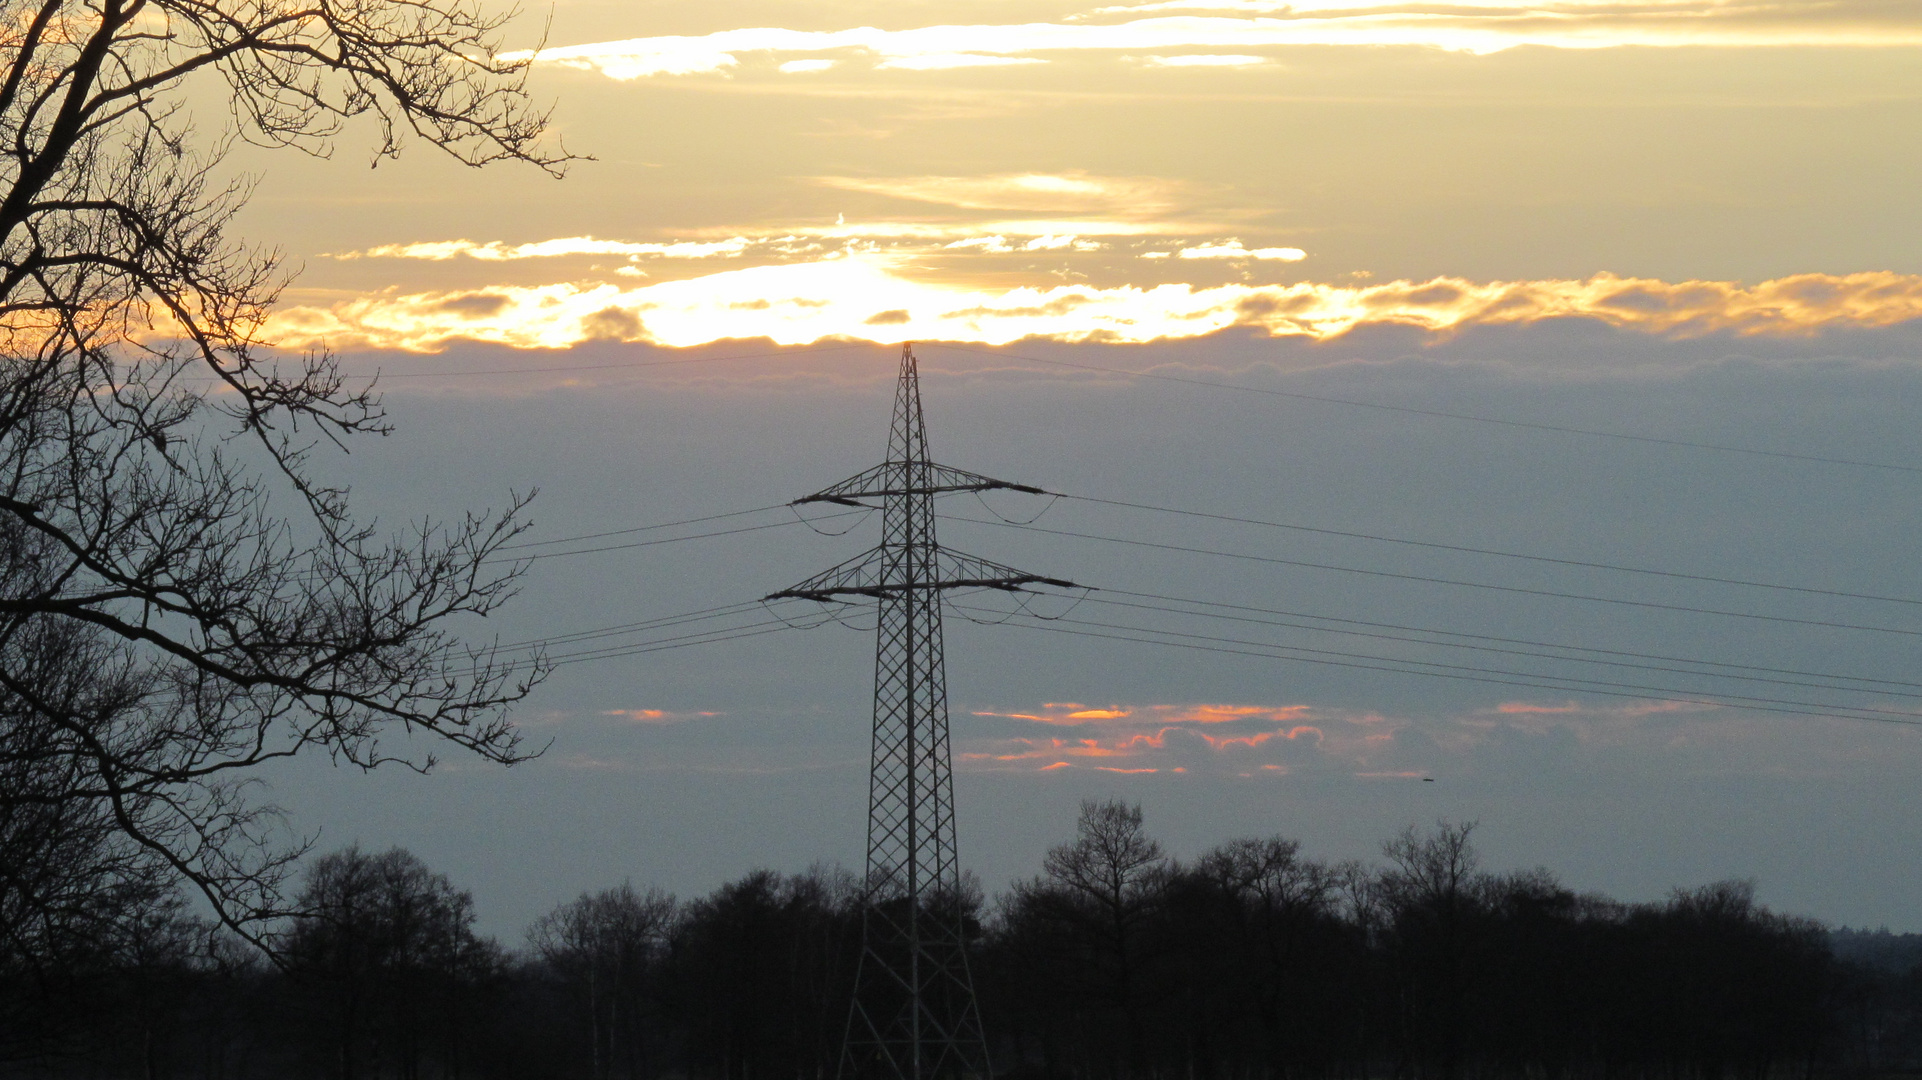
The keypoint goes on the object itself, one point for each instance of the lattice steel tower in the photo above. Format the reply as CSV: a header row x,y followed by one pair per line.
x,y
914,1015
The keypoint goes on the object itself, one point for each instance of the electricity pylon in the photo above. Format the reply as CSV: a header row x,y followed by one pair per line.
x,y
914,1015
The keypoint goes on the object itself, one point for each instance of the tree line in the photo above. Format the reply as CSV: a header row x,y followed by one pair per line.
x,y
1116,962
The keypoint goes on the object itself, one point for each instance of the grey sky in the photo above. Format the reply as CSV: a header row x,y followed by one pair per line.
x,y
1608,791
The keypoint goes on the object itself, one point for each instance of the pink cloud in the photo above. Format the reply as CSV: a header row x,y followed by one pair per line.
x,y
1124,735
655,716
1063,712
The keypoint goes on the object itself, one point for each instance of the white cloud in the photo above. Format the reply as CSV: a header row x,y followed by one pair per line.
x,y
805,302
1485,26
1232,249
944,61
801,67
495,251
992,245
1213,60
1060,243
1133,197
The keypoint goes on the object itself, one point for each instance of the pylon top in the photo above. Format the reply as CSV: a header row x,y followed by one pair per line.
x,y
909,479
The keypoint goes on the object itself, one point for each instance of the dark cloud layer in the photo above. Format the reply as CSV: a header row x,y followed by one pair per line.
x,y
764,764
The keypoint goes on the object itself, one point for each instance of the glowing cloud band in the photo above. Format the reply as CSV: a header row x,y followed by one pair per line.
x,y
1487,27
866,299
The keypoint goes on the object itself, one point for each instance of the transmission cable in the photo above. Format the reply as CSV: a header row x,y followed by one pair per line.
x,y
639,528
1467,674
1514,641
1442,581
1376,636
1411,410
1489,551
678,641
664,540
537,556
634,627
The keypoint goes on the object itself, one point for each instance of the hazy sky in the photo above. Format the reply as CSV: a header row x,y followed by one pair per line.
x,y
1685,221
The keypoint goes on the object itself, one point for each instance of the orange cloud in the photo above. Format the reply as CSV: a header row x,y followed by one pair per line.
x,y
1128,734
1221,714
1063,712
1486,26
801,303
1223,742
655,716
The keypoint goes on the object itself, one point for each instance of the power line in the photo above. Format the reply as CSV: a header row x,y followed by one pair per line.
x,y
1410,410
1233,519
678,641
665,540
635,627
1489,551
321,574
1376,636
1445,581
756,629
640,528
1460,673
1517,641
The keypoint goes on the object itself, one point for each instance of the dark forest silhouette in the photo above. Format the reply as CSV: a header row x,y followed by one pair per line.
x,y
1115,962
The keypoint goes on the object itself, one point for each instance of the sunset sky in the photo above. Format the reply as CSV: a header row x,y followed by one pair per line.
x,y
1394,279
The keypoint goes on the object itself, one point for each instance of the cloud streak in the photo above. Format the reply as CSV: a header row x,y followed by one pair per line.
x,y
1075,192
1232,249
1248,25
495,251
1266,740
875,298
1157,738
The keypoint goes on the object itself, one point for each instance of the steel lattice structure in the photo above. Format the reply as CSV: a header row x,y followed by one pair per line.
x,y
914,1015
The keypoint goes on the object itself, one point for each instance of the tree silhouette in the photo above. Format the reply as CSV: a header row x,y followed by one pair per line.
x,y
161,509
607,950
390,963
1087,918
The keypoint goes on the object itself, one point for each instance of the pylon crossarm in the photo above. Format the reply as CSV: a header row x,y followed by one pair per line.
x,y
847,579
881,591
929,479
865,575
962,571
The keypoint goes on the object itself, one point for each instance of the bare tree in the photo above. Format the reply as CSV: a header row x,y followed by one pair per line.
x,y
161,516
388,951
1439,871
604,947
1096,896
1435,899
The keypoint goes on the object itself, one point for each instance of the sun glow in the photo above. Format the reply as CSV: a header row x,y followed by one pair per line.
x,y
1244,25
878,298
